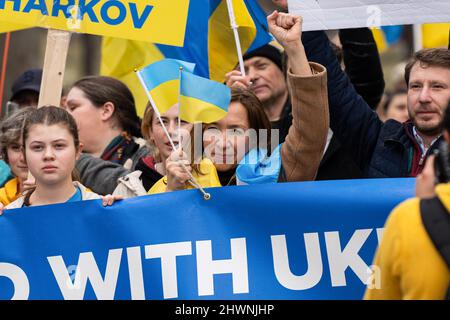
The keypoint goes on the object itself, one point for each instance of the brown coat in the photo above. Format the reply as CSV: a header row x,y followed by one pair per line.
x,y
302,151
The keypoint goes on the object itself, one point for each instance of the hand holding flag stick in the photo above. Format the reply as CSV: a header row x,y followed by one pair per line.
x,y
199,99
192,180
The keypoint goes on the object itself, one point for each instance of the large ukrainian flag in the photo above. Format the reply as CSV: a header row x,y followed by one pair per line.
x,y
209,43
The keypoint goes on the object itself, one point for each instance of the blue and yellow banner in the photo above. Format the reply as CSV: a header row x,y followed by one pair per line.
x,y
209,43
158,21
202,100
310,240
434,35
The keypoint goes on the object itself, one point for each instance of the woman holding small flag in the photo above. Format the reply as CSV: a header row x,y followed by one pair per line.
x,y
295,160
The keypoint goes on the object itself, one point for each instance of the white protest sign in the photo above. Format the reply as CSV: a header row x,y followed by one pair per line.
x,y
341,14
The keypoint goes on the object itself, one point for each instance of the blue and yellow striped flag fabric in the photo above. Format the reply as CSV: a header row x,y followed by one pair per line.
x,y
387,36
162,80
209,43
435,35
202,100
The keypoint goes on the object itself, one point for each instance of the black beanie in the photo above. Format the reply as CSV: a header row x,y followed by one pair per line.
x,y
267,51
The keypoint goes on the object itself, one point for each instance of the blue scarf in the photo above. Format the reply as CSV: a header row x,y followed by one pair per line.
x,y
256,167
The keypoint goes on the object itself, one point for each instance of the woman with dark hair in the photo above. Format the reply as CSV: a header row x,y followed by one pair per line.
x,y
241,155
109,126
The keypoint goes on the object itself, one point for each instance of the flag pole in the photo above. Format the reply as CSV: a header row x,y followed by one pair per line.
x,y
417,37
179,112
3,74
152,103
192,180
235,27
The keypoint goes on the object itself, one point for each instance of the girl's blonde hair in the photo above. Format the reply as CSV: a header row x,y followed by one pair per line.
x,y
146,128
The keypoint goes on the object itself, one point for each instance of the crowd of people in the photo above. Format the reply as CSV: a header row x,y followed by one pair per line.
x,y
314,101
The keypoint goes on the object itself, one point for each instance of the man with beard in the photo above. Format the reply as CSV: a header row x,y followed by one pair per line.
x,y
390,149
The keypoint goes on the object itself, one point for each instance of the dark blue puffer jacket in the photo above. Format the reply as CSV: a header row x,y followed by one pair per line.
x,y
381,150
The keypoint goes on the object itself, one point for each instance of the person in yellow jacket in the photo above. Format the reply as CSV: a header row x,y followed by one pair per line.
x,y
11,152
407,263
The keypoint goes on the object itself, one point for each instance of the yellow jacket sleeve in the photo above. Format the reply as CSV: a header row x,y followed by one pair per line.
x,y
408,264
207,178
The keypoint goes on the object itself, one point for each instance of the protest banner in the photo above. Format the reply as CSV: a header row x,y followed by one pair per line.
x,y
158,21
308,240
332,14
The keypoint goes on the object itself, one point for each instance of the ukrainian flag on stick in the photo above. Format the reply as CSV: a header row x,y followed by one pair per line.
x,y
161,80
209,42
202,100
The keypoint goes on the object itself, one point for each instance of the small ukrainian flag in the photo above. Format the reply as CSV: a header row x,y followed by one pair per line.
x,y
202,100
162,80
209,42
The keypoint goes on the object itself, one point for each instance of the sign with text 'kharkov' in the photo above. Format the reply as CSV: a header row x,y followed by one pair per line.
x,y
158,21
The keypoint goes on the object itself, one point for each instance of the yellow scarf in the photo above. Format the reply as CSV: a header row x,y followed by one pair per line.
x,y
206,178
10,192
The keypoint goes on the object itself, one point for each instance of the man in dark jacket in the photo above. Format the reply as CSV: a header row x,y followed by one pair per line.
x,y
265,77
392,149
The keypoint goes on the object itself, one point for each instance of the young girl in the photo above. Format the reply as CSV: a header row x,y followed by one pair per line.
x,y
11,151
50,148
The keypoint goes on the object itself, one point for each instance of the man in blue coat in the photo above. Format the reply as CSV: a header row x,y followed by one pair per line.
x,y
390,149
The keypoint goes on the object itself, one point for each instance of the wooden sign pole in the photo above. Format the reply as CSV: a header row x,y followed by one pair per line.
x,y
53,72
54,65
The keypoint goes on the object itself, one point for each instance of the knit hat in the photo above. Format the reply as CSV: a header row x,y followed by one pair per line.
x,y
267,51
